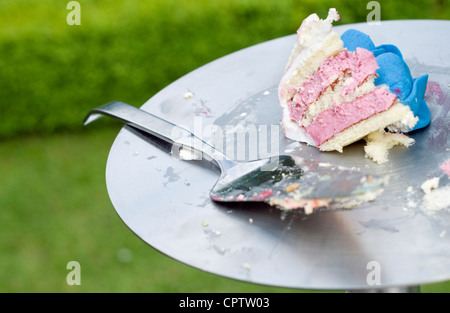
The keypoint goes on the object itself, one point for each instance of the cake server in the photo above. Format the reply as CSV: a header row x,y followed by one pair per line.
x,y
279,181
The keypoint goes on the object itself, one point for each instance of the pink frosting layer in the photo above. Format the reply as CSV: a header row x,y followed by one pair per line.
x,y
333,121
360,64
446,167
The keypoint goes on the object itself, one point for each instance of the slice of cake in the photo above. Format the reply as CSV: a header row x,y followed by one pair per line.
x,y
337,90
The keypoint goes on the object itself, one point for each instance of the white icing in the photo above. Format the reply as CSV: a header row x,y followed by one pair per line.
x,y
437,199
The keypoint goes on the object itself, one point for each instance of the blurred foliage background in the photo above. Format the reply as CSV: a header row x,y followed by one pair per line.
x,y
53,200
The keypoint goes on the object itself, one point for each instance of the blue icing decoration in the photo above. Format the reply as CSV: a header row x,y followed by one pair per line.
x,y
394,72
353,39
416,102
388,48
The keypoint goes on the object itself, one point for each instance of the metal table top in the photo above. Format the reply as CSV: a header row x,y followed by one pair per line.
x,y
165,202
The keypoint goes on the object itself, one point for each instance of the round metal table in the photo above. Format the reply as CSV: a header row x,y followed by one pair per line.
x,y
393,242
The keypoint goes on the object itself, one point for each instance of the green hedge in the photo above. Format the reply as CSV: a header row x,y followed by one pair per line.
x,y
51,73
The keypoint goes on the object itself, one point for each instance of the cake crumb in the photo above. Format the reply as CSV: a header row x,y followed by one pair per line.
x,y
430,184
246,266
292,187
445,167
188,95
437,199
379,143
